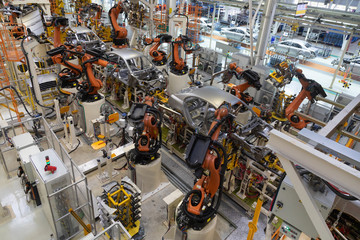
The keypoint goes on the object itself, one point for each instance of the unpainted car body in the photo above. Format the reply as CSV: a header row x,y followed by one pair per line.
x,y
86,38
198,105
136,69
295,48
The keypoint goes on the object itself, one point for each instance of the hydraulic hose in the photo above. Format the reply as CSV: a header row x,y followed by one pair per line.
x,y
212,210
18,95
158,143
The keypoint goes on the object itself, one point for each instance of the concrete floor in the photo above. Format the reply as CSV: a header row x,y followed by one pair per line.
x,y
28,222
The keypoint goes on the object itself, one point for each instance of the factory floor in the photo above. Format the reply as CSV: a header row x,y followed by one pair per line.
x,y
319,69
26,221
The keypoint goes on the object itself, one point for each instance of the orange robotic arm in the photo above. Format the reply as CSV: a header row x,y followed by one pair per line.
x,y
252,80
98,9
199,207
119,33
88,8
310,89
159,57
61,54
178,65
93,84
58,23
147,122
89,87
209,184
68,76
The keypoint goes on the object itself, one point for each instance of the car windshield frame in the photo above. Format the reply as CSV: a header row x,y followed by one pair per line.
x,y
131,64
89,36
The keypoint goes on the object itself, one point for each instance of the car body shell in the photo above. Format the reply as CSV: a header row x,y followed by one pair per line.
x,y
198,104
295,48
86,38
131,74
204,23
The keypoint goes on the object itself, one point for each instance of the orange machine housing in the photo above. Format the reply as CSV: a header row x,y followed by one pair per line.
x,y
119,33
209,184
310,89
159,57
150,130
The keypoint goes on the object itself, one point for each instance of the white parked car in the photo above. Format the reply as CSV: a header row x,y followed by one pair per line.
x,y
205,23
238,33
295,48
349,64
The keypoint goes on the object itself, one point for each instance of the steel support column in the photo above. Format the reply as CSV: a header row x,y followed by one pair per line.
x,y
341,59
265,29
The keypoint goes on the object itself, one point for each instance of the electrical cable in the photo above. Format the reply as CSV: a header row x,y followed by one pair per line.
x,y
75,147
339,193
334,189
22,102
118,169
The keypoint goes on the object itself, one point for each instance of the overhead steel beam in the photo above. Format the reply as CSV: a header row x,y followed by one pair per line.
x,y
335,16
332,126
331,147
322,165
314,24
321,123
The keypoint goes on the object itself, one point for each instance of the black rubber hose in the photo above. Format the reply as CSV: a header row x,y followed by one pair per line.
x,y
75,147
346,197
218,124
18,95
302,172
212,211
31,75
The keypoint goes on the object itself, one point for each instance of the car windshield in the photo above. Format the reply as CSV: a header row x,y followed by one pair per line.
x,y
87,36
139,63
308,45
